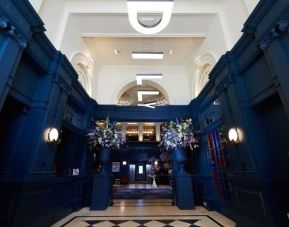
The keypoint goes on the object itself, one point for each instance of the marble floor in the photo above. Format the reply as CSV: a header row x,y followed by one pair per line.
x,y
145,213
139,186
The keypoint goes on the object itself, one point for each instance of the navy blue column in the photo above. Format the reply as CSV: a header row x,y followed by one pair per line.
x,y
10,49
30,153
53,90
276,174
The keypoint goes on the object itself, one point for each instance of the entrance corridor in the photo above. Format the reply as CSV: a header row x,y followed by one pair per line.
x,y
145,213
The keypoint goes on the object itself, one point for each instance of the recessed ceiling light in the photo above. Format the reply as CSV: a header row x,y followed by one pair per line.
x,y
116,51
145,76
171,51
147,55
141,93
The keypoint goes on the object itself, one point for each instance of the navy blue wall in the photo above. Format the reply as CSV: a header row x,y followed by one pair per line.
x,y
251,82
38,86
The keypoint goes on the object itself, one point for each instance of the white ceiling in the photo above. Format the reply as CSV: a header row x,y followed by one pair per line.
x,y
102,48
181,25
95,28
104,32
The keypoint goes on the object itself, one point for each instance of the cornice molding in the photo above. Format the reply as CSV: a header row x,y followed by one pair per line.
x,y
274,33
30,15
9,29
257,15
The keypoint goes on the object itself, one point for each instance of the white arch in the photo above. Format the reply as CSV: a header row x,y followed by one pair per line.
x,y
132,83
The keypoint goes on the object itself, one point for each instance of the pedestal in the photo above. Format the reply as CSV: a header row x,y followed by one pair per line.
x,y
100,198
184,192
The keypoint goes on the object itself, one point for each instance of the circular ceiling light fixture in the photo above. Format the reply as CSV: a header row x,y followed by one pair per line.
x,y
153,8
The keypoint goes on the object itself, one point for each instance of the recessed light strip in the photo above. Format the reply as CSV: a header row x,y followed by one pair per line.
x,y
147,55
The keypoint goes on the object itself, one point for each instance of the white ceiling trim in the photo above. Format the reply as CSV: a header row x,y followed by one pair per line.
x,y
169,35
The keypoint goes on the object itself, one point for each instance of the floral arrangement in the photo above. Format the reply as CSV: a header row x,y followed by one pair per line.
x,y
179,134
106,134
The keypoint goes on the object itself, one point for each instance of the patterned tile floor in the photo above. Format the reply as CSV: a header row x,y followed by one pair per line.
x,y
145,213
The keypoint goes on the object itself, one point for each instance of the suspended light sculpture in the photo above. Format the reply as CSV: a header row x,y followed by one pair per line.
x,y
151,7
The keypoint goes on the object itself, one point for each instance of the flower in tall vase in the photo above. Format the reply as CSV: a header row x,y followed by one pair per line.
x,y
179,135
106,134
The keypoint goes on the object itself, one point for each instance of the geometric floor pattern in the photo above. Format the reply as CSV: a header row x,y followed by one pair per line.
x,y
144,213
142,223
168,221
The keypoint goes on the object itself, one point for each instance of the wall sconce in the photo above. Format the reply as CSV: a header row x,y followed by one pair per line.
x,y
234,136
124,163
53,135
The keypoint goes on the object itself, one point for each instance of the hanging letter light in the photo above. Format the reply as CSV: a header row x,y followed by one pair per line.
x,y
135,7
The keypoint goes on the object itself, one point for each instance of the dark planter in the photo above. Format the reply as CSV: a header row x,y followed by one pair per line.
x,y
180,158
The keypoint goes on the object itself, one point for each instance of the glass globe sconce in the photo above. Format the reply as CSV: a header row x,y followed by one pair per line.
x,y
53,135
234,136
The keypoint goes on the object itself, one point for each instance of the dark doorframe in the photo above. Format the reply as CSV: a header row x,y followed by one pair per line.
x,y
140,172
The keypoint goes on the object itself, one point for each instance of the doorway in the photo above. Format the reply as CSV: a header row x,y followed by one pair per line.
x,y
140,173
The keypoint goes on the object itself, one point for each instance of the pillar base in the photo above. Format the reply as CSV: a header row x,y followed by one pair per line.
x,y
100,198
184,192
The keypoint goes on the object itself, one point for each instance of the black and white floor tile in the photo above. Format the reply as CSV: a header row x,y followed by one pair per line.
x,y
168,221
145,213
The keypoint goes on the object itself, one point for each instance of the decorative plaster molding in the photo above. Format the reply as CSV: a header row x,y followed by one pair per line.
x,y
203,65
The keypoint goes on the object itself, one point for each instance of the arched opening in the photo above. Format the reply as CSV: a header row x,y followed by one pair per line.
x,y
128,95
